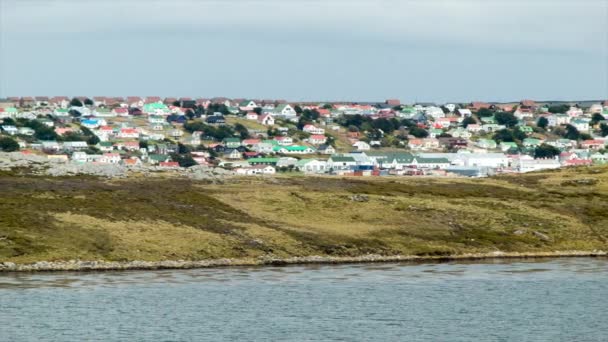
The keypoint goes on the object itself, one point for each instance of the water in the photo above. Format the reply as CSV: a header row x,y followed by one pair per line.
x,y
553,300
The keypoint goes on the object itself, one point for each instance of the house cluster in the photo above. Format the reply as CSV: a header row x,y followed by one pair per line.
x,y
470,139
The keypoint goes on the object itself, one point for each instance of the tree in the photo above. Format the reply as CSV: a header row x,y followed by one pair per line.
x,y
298,109
143,144
468,121
596,118
503,135
557,109
572,133
241,130
75,103
184,160
546,151
542,122
419,132
506,118
484,112
75,113
603,130
190,114
8,144
257,110
88,102
93,140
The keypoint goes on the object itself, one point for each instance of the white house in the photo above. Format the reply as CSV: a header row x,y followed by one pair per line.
x,y
266,119
361,146
313,129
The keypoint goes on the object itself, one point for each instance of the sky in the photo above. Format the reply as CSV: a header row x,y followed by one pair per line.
x,y
307,50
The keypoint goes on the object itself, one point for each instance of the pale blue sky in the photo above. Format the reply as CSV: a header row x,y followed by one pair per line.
x,y
432,50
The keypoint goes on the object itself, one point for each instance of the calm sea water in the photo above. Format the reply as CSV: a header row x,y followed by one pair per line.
x,y
553,300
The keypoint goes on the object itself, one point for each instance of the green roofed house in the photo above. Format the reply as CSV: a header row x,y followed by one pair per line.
x,y
486,143
488,120
392,160
293,149
157,158
232,142
506,146
531,142
263,161
526,129
156,108
431,163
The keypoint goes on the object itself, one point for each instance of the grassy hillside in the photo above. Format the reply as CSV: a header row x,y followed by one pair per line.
x,y
169,219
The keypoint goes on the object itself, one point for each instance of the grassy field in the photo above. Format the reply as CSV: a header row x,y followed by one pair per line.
x,y
152,219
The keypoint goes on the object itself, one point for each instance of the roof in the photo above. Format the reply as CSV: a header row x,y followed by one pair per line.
x,y
342,159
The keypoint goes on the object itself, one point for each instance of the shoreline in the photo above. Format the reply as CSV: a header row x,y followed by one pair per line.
x,y
93,266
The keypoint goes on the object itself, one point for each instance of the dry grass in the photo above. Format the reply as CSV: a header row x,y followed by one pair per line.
x,y
168,218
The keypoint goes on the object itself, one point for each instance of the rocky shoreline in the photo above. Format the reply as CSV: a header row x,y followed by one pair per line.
x,y
79,265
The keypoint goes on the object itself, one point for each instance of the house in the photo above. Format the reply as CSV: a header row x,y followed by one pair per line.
x,y
168,165
594,144
317,139
133,161
311,166
215,120
75,145
486,143
91,123
464,112
283,141
156,108
313,129
26,131
574,112
581,124
247,105
232,153
361,146
251,116
10,129
266,119
232,142
326,149
526,129
284,110
110,158
256,170
340,162
531,142
250,142
430,163
263,147
262,161
128,133
293,149
507,146
526,163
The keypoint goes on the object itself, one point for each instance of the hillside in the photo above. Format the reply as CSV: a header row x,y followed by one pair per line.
x,y
163,218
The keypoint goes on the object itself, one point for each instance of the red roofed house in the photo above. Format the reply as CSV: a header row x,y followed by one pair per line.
x,y
168,164
135,101
528,103
266,120
119,111
594,144
393,102
577,162
251,116
479,105
128,133
317,139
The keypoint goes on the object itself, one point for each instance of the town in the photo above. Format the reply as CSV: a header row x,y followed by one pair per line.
x,y
265,137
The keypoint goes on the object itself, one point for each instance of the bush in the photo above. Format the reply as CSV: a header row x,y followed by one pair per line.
x,y
8,144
